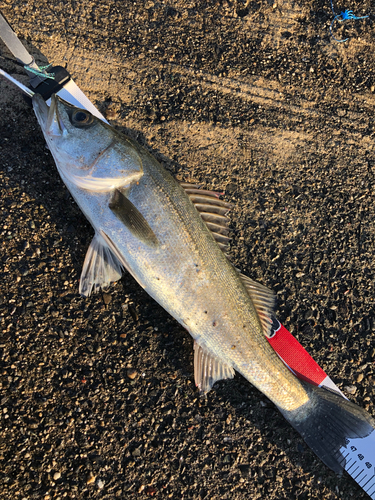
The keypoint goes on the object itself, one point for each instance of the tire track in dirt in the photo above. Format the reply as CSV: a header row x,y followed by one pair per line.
x,y
270,94
283,128
273,98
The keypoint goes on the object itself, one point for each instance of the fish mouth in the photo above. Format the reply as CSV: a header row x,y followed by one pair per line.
x,y
49,117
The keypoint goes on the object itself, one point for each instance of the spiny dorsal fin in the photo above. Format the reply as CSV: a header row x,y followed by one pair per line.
x,y
196,189
213,211
264,301
212,197
208,368
209,200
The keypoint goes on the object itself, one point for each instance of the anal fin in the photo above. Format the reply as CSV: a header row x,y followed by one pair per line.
x,y
208,369
100,268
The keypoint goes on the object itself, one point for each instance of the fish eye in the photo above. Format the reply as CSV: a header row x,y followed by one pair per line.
x,y
81,118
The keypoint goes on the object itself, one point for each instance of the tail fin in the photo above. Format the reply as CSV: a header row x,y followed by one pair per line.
x,y
326,421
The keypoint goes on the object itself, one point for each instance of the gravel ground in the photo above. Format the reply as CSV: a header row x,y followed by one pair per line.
x,y
97,397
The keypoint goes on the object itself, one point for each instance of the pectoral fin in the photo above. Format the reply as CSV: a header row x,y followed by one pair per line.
x,y
101,267
208,369
132,218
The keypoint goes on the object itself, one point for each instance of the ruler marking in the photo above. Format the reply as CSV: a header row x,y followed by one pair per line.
x,y
351,465
354,471
289,350
339,457
368,482
360,481
355,478
368,491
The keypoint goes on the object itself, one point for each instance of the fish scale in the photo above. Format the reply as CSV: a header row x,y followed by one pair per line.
x,y
144,221
230,338
104,263
184,243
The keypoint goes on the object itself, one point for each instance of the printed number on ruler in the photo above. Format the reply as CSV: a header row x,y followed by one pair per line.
x,y
359,457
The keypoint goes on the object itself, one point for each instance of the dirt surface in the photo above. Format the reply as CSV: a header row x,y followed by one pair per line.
x,y
97,396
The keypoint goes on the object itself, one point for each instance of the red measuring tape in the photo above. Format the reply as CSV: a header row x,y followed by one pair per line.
x,y
297,358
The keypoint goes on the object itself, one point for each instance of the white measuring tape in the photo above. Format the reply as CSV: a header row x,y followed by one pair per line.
x,y
358,455
56,80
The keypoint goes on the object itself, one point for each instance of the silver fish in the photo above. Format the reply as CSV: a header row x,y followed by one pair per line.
x,y
168,236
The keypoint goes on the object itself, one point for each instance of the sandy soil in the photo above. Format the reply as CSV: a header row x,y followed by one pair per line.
x,y
252,98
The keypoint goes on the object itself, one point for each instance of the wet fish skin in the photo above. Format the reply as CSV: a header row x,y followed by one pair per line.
x,y
186,272
145,222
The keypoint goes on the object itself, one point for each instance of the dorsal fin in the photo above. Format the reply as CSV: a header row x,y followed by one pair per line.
x,y
264,301
196,189
209,200
212,210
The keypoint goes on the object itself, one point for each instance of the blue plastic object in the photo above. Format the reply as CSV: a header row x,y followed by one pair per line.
x,y
343,16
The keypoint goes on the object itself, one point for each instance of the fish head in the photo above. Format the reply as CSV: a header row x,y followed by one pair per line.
x,y
88,152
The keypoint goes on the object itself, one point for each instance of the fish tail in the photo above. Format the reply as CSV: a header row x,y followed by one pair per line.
x,y
327,421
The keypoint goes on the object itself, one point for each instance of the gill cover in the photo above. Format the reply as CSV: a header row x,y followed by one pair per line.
x,y
88,152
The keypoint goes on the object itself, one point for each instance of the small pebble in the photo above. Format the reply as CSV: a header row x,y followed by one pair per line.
x,y
56,476
360,377
107,297
90,478
111,114
350,389
131,373
100,484
151,490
